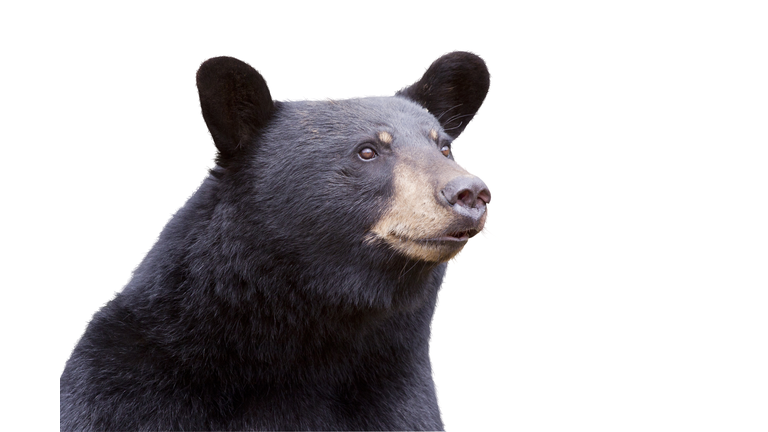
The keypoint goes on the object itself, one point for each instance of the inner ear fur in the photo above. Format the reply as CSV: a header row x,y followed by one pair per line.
x,y
235,101
452,89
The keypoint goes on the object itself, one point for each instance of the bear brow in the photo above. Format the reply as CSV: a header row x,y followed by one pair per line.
x,y
385,137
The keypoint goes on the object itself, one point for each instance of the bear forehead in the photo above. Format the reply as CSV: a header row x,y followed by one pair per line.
x,y
392,115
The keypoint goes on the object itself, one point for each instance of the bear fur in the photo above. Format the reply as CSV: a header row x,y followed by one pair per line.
x,y
295,289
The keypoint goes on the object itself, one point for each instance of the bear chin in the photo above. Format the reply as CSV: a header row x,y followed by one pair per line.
x,y
435,249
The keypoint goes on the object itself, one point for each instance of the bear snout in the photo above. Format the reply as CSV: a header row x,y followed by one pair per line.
x,y
468,196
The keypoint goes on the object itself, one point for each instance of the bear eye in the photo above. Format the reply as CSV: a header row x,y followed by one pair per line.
x,y
367,153
445,150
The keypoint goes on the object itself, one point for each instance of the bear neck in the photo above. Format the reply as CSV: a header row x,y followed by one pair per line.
x,y
275,307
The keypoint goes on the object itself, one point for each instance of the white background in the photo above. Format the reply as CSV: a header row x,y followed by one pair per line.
x,y
621,283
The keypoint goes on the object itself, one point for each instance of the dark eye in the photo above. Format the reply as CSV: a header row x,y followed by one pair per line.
x,y
367,153
445,150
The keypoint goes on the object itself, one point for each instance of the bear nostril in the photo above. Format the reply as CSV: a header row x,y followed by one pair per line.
x,y
465,197
484,195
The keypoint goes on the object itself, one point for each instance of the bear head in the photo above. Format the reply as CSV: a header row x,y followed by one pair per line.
x,y
368,177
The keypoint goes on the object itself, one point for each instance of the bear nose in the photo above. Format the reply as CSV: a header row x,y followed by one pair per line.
x,y
467,191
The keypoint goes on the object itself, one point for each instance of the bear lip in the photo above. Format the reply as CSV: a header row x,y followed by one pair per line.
x,y
449,237
453,236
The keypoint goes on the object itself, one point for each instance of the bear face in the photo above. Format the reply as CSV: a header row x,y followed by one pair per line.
x,y
376,168
384,175
295,288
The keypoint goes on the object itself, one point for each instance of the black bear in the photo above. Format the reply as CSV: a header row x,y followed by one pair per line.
x,y
295,289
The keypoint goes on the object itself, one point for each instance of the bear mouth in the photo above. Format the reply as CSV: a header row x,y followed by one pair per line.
x,y
436,247
451,237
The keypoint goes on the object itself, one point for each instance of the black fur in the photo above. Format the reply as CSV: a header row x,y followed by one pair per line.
x,y
261,306
453,88
236,104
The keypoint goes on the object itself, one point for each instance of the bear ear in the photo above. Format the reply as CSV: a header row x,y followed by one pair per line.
x,y
452,89
235,101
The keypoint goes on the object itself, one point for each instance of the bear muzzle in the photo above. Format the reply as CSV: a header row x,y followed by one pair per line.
x,y
430,222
